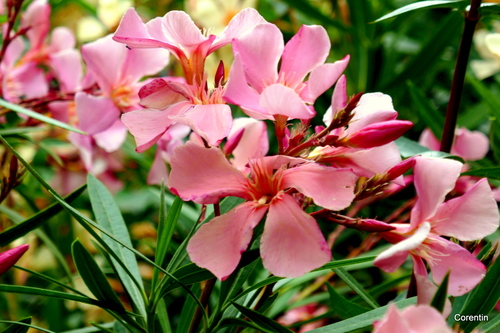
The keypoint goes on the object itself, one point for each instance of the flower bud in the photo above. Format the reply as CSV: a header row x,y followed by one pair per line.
x,y
10,257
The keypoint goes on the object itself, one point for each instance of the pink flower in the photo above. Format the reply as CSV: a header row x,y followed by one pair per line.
x,y
218,244
177,33
10,257
412,319
256,85
468,217
168,102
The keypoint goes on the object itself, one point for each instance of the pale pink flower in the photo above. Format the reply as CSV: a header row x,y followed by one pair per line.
x,y
468,217
263,91
412,319
10,257
247,140
204,175
177,33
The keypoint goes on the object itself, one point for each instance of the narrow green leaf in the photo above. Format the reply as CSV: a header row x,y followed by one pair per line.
x,y
109,217
35,115
424,5
487,9
188,274
491,325
162,318
238,322
19,130
343,307
439,299
362,321
262,321
429,114
491,173
188,310
356,287
345,263
18,327
22,326
90,329
486,95
48,293
37,220
94,278
495,138
483,298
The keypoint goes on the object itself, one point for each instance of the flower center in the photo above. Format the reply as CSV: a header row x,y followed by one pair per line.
x,y
264,184
124,97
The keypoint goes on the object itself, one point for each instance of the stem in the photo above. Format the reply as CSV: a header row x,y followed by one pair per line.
x,y
457,84
205,296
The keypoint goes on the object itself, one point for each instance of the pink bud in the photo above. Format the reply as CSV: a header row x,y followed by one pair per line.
x,y
220,76
378,134
370,225
400,168
232,141
10,257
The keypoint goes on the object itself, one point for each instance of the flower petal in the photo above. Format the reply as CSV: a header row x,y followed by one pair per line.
x,y
434,178
112,138
329,187
278,99
470,145
179,29
339,100
392,322
95,113
287,225
218,244
204,175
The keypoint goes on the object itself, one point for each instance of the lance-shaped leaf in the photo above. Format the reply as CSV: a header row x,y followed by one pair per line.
x,y
18,328
490,172
262,321
343,307
94,278
422,5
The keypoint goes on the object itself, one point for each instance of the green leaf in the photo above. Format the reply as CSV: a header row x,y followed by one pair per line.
x,y
483,298
491,173
495,138
18,327
19,130
429,114
162,318
486,95
109,217
22,326
94,278
35,115
354,284
188,274
260,320
491,325
487,9
439,299
408,148
37,220
343,307
48,293
314,13
424,5
345,263
238,322
188,310
362,321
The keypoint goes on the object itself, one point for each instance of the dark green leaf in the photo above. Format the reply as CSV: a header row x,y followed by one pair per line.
x,y
491,325
491,173
362,321
37,220
343,307
489,9
109,217
18,328
188,310
495,138
355,286
93,277
424,5
315,13
486,95
48,293
439,299
238,322
35,115
429,114
483,298
262,321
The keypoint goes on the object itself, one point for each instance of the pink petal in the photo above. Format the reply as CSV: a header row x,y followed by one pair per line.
x,y
68,68
105,58
204,175
254,142
472,216
179,29
242,22
372,108
278,99
390,259
84,143
37,17
212,121
218,244
425,319
329,187
339,100
368,162
95,113
392,322
158,94
260,51
304,52
143,62
427,139
10,257
29,81
470,145
378,134
61,39
287,225
158,172
434,178
323,77
112,138
466,270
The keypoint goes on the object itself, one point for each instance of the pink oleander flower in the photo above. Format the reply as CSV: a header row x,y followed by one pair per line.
x,y
218,244
177,33
412,319
263,91
468,217
168,102
373,113
10,257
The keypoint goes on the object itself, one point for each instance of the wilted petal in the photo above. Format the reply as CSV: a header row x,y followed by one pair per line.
x,y
329,187
434,178
287,226
204,175
466,270
278,99
218,244
10,257
95,113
